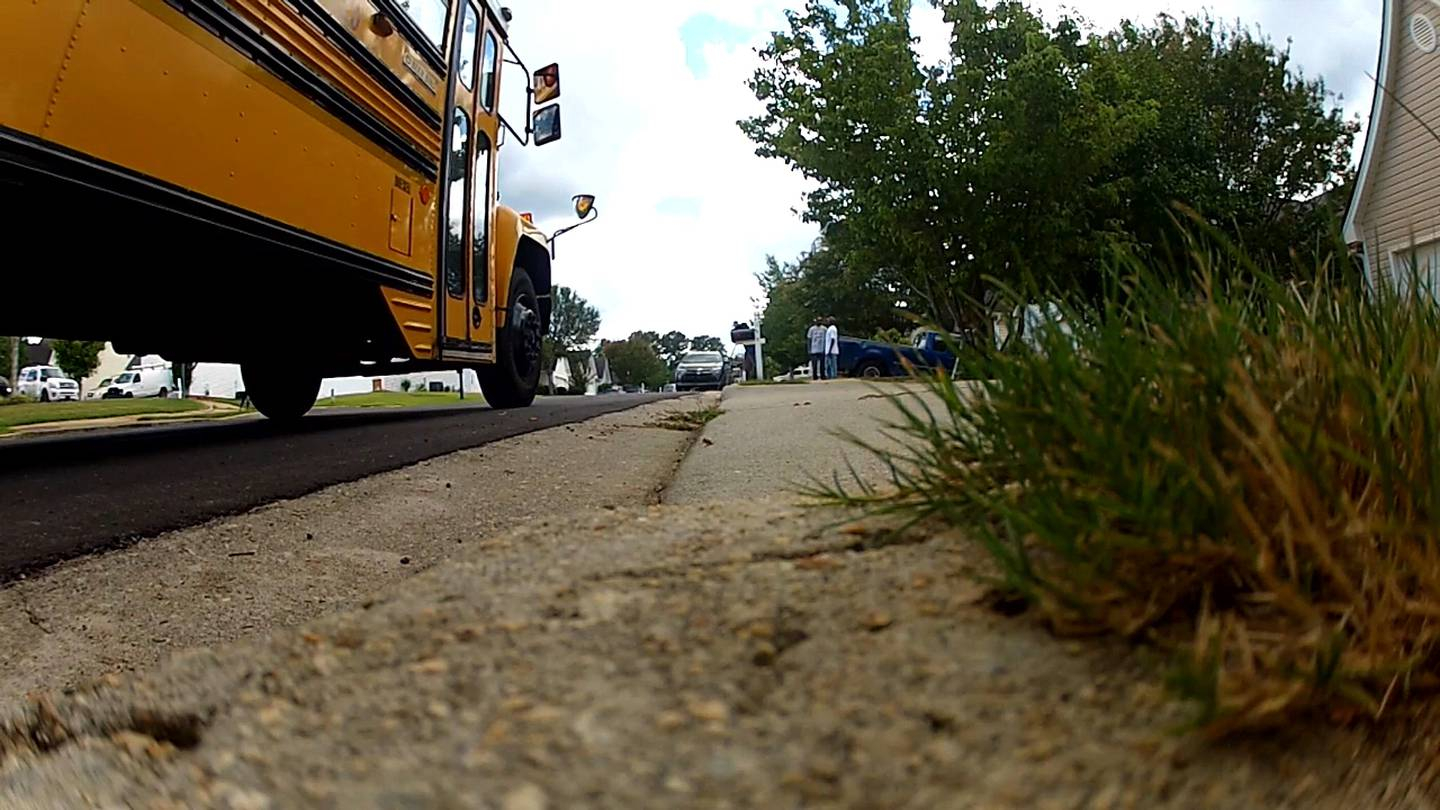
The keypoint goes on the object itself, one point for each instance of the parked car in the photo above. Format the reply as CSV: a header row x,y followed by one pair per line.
x,y
140,383
99,389
5,390
873,359
701,370
47,384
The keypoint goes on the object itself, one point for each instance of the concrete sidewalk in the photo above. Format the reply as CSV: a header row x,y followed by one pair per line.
x,y
732,652
774,440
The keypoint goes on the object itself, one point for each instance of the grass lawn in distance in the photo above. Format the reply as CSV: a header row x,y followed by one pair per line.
x,y
397,399
34,413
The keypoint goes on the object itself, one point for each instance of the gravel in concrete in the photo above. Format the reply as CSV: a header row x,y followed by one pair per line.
x,y
739,657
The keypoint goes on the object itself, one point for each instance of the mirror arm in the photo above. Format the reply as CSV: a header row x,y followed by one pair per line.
x,y
514,59
523,138
594,215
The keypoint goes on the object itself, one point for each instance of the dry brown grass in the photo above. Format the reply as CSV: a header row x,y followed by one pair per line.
x,y
1245,474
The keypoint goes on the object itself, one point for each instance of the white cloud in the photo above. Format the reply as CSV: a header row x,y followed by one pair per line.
x,y
687,211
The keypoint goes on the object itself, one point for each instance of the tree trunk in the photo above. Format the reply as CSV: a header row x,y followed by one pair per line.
x,y
15,360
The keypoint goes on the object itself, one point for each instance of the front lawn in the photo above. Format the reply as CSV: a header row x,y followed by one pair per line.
x,y
397,399
34,413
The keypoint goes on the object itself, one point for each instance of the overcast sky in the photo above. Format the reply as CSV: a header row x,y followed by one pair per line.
x,y
651,93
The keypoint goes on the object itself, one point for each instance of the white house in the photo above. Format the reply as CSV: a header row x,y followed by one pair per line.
x,y
1394,215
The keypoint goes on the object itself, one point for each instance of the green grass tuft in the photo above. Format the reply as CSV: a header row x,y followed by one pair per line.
x,y
1243,470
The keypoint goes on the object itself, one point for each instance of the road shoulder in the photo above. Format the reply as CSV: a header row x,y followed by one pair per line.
x,y
285,563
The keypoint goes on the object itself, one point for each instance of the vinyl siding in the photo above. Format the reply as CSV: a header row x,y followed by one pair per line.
x,y
1403,205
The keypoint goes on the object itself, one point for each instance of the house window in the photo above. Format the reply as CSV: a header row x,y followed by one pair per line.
x,y
1420,264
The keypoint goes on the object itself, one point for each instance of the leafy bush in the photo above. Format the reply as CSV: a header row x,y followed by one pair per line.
x,y
1243,471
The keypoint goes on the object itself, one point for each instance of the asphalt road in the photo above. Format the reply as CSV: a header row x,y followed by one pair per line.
x,y
69,495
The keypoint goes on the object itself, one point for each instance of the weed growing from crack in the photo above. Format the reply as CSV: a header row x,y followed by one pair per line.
x,y
1241,469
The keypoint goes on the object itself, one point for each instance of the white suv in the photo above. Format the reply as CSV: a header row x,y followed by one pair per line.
x,y
46,383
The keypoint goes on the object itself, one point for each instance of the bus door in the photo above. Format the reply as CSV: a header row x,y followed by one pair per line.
x,y
467,329
487,133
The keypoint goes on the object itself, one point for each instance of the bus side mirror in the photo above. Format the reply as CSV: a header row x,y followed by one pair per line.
x,y
546,84
545,123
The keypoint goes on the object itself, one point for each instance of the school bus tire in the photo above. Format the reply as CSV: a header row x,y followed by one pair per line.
x,y
515,376
281,392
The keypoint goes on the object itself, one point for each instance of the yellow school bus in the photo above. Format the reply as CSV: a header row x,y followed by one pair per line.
x,y
303,187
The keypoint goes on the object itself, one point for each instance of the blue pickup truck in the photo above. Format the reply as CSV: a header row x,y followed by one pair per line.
x,y
873,359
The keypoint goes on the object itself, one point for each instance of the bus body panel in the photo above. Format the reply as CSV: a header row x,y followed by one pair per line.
x,y
34,39
215,123
204,141
401,57
416,316
327,56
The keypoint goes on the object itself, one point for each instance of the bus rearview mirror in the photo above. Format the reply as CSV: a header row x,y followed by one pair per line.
x,y
545,124
546,83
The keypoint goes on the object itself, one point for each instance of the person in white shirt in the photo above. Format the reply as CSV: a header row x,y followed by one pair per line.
x,y
816,336
832,350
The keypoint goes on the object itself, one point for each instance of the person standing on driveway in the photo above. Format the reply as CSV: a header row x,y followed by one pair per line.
x,y
816,336
832,350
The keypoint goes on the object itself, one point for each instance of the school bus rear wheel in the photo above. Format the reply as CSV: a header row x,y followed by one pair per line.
x,y
282,393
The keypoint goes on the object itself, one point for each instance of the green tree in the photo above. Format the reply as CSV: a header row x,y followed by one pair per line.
x,y
821,284
650,338
573,322
786,318
635,362
7,356
580,372
672,346
1238,136
78,358
1035,148
707,343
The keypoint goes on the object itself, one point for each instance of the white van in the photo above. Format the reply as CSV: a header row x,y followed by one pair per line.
x,y
137,383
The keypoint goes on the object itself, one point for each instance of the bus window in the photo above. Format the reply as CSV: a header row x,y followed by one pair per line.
x,y
455,206
481,264
428,16
467,46
487,72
